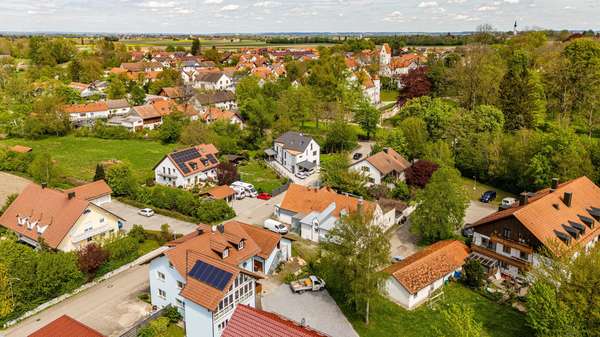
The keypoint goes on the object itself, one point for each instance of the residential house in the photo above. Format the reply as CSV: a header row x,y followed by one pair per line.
x,y
85,90
313,212
385,165
97,192
370,86
173,93
209,272
222,99
212,81
248,321
188,167
64,220
295,151
131,123
88,113
401,65
216,114
152,114
65,326
118,107
558,218
415,279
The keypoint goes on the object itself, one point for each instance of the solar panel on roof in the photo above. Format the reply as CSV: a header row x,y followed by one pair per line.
x,y
211,275
212,159
184,156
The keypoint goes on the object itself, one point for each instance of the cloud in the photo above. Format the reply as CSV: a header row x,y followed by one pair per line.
x,y
267,4
210,2
511,1
427,4
394,17
457,1
229,8
158,4
487,8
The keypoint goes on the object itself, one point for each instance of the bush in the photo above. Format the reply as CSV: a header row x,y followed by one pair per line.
x,y
120,179
156,328
420,173
172,314
91,257
474,274
138,233
211,211
401,191
9,200
123,249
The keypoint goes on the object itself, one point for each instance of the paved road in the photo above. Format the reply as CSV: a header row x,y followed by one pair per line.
x,y
478,210
318,308
10,184
256,211
109,307
129,213
364,148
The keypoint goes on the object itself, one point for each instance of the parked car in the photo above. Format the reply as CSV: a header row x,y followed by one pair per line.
x,y
508,202
397,258
301,174
275,226
488,196
240,193
263,196
148,212
311,283
357,156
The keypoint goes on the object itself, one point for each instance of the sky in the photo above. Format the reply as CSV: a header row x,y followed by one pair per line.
x,y
255,16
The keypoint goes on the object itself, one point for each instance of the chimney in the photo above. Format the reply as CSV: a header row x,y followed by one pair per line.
x,y
44,185
568,198
221,228
199,231
554,184
523,198
71,195
303,322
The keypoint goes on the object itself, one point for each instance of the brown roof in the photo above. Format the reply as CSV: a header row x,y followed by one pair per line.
x,y
389,204
87,107
207,246
171,92
404,60
428,265
387,161
47,207
214,114
247,321
265,239
546,212
158,108
21,149
65,326
301,199
91,190
117,103
221,192
220,96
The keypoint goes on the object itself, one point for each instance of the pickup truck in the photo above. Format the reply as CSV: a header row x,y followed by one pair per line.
x,y
311,283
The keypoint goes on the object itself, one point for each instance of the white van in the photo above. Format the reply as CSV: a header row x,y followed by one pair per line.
x,y
240,193
248,188
508,202
275,226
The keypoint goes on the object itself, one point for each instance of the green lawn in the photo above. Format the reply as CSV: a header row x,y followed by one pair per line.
x,y
389,95
260,175
77,156
175,331
389,319
475,190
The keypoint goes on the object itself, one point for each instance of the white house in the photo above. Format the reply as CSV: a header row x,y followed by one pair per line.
x,y
413,280
387,164
88,113
385,59
131,123
188,167
223,99
295,152
209,272
118,107
314,212
215,114
64,220
212,81
370,85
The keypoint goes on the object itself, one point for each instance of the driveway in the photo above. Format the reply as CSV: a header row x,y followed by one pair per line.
x,y
11,184
109,307
403,242
364,148
129,213
478,210
311,180
256,211
317,308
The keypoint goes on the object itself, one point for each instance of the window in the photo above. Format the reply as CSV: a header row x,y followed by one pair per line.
x,y
179,285
506,249
162,293
314,153
524,256
365,169
179,303
101,220
225,253
506,233
171,265
241,245
160,276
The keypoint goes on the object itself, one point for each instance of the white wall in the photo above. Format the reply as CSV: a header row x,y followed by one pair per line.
x,y
198,321
368,170
180,180
97,223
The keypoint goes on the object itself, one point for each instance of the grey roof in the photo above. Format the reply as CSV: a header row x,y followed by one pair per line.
x,y
117,103
270,152
307,165
212,77
293,140
215,97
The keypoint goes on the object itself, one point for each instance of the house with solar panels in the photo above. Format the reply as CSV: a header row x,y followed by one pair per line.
x,y
188,167
559,218
206,274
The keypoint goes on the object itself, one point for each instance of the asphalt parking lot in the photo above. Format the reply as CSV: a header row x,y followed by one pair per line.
x,y
317,308
129,213
478,210
10,184
255,211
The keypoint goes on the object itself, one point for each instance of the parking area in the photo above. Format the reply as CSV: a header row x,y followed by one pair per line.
x,y
10,184
130,214
318,310
255,211
478,210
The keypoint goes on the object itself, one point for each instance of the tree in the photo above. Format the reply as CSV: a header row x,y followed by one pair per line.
x,y
339,137
85,69
210,211
120,179
438,115
415,83
156,328
91,257
297,104
415,133
419,173
170,48
474,274
138,96
57,273
99,175
7,300
459,321
335,174
355,253
116,89
547,315
42,168
213,54
367,116
171,128
439,152
442,205
259,115
196,49
138,233
165,233
227,173
395,139
522,94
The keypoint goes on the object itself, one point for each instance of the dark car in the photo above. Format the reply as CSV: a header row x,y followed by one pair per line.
x,y
357,156
488,196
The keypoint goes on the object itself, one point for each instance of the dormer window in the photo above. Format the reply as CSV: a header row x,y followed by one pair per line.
x,y
225,253
241,245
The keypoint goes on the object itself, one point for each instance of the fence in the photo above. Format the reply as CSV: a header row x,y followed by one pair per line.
x,y
280,189
133,331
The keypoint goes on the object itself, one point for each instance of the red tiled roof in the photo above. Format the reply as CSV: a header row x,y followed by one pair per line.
x,y
88,107
65,326
91,190
387,161
247,321
301,199
221,192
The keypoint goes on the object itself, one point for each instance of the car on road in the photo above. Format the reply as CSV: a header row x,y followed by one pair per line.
x,y
275,226
148,212
357,156
488,196
397,258
311,283
508,202
264,196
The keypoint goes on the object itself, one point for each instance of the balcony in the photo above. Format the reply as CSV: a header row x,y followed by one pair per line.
x,y
91,233
517,262
167,175
229,308
513,244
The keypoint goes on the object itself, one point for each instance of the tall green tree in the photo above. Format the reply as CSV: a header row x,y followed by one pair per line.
x,y
355,252
196,49
138,96
442,205
99,175
459,321
171,128
43,169
335,174
120,179
522,93
367,116
7,301
116,89
417,137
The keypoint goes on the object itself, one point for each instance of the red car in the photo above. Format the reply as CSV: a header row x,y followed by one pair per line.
x,y
264,196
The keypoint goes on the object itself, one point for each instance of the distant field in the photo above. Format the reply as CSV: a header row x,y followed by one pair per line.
x,y
77,156
219,44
